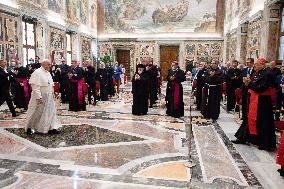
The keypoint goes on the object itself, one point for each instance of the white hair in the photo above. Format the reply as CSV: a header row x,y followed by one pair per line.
x,y
45,61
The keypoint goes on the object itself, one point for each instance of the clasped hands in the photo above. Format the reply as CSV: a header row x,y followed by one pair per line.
x,y
172,78
246,80
137,77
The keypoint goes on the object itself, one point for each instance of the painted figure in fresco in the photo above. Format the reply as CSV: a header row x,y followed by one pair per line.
x,y
10,30
72,9
84,11
174,92
140,91
56,40
94,15
171,13
55,5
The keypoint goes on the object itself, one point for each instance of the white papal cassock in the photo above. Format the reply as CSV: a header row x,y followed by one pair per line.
x,y
42,117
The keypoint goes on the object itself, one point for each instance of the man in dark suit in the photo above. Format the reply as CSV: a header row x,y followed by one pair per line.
x,y
5,79
242,135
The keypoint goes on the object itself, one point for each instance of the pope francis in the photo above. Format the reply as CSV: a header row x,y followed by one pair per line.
x,y
41,114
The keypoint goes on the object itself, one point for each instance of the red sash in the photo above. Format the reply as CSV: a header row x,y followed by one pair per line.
x,y
25,82
98,86
280,154
175,87
56,87
253,107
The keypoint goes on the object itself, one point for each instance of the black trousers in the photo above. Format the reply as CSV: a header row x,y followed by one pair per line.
x,y
92,92
5,97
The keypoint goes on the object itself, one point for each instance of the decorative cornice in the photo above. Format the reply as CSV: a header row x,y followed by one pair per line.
x,y
9,10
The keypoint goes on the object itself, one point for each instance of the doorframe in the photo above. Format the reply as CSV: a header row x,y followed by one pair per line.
x,y
180,44
131,50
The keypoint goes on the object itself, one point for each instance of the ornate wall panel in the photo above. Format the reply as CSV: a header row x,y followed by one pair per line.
x,y
84,12
86,50
57,44
9,37
201,50
93,13
146,51
254,37
233,46
72,11
56,6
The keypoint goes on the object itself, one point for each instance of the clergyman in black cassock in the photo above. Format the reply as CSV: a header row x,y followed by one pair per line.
x,y
174,91
55,72
260,113
140,91
233,82
5,79
212,92
109,87
91,81
153,83
102,77
64,81
22,87
200,82
77,99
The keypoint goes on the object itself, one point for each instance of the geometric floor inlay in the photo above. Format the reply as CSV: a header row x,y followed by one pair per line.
x,y
168,171
75,135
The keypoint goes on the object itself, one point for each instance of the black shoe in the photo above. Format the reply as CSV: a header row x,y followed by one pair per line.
x,y
281,171
238,141
53,132
29,131
15,115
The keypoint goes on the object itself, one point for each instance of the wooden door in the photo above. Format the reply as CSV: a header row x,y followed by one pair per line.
x,y
123,58
168,54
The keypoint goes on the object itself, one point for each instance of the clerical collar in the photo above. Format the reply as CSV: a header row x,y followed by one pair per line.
x,y
43,69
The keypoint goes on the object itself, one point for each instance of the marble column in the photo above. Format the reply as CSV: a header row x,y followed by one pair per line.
x,y
241,49
226,53
75,46
41,29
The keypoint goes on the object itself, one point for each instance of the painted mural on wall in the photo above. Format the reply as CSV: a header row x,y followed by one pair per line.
x,y
56,45
233,47
254,37
84,13
146,51
200,50
72,10
35,3
86,53
9,38
93,12
153,16
55,5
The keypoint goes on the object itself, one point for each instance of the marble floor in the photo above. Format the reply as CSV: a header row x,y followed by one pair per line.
x,y
108,147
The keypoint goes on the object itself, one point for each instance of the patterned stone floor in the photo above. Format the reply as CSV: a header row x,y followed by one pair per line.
x,y
108,147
